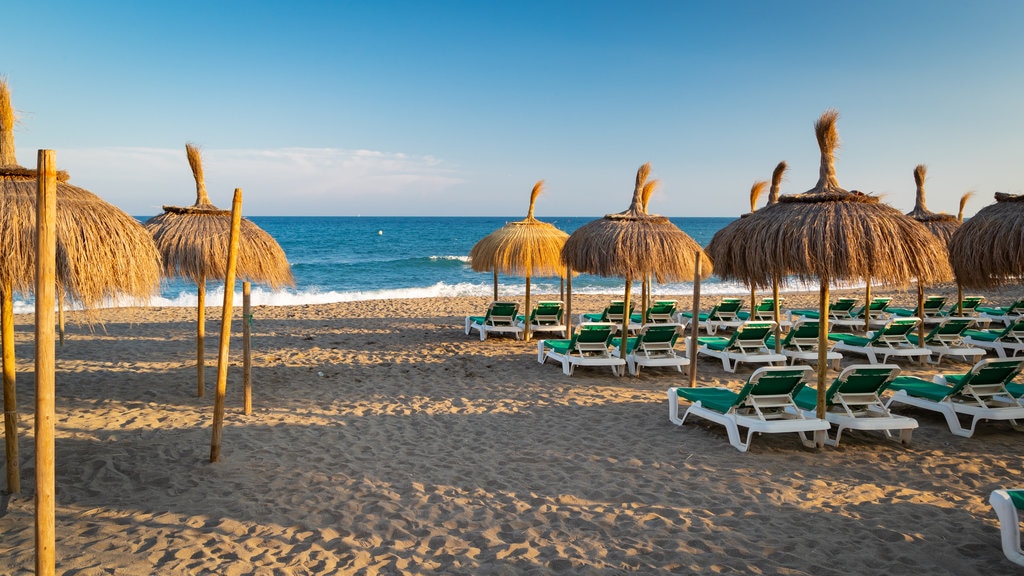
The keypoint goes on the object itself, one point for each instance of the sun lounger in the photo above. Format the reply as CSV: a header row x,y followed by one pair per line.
x,y
980,394
1004,314
888,341
853,402
545,317
724,314
747,344
801,344
587,347
930,313
1008,505
1007,343
763,405
654,345
499,319
612,313
840,314
947,339
765,310
660,312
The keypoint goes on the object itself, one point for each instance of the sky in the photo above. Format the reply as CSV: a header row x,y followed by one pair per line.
x,y
456,108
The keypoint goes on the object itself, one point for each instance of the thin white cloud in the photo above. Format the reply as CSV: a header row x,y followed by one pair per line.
x,y
284,181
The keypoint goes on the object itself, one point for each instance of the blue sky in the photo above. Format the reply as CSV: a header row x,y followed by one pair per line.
x,y
458,107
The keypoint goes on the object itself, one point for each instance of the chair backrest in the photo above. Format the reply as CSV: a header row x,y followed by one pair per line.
x,y
864,379
840,309
614,311
591,337
969,304
1014,333
895,332
950,331
661,311
803,336
875,308
501,313
658,337
932,306
772,381
750,337
726,309
765,309
547,312
1016,308
986,379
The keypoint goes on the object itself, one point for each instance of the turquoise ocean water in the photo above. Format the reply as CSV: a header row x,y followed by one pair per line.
x,y
337,259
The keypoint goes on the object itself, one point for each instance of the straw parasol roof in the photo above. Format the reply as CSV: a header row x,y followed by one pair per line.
x,y
827,234
988,249
526,248
194,240
102,253
635,245
941,224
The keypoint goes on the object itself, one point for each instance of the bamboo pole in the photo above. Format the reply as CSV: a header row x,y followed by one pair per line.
x,y
694,322
46,266
526,313
200,338
920,313
867,307
60,315
625,320
822,347
568,302
225,328
246,348
776,309
10,392
495,282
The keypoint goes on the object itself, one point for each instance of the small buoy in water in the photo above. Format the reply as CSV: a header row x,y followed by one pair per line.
x,y
380,232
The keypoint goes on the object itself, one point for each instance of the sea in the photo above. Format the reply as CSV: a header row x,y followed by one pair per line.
x,y
350,258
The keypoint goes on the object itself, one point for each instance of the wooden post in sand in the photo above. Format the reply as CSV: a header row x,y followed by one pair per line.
x,y
10,397
246,349
568,302
695,321
46,266
225,327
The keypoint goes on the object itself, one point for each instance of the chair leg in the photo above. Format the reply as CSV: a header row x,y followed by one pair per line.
x,y
673,407
540,351
1009,525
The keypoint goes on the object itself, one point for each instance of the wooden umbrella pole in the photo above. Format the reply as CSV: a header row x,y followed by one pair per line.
x,y
225,328
200,337
10,397
246,348
693,323
920,313
60,315
526,313
568,302
645,300
959,299
495,283
867,307
777,310
822,347
46,266
625,319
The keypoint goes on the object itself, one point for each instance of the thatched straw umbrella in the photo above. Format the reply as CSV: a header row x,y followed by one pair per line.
x,y
827,234
526,248
940,224
102,253
194,244
635,245
987,251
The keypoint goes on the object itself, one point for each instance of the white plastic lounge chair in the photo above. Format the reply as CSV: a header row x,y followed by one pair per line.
x,y
724,314
587,347
947,339
1007,343
612,314
841,314
500,319
853,402
1004,314
980,394
801,344
660,312
763,405
545,317
765,310
654,345
930,313
1008,505
890,340
747,344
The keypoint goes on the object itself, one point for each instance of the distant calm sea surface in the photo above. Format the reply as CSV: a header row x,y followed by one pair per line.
x,y
336,259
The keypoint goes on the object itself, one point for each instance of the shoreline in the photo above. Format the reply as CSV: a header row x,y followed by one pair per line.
x,y
423,450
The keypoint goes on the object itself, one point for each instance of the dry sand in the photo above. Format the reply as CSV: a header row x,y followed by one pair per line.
x,y
421,450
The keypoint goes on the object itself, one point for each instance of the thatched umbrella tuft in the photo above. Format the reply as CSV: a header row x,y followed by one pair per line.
x,y
963,204
988,249
527,247
941,224
777,174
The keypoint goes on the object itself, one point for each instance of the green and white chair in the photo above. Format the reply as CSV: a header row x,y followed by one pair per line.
x,y
947,339
660,312
748,343
801,344
929,313
1005,314
499,319
1006,343
724,314
888,341
980,394
853,402
589,346
546,316
654,345
763,406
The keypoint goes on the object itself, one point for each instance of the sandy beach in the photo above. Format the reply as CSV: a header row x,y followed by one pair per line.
x,y
384,440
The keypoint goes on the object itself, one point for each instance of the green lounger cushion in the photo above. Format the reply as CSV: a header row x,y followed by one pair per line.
x,y
921,388
1017,496
717,399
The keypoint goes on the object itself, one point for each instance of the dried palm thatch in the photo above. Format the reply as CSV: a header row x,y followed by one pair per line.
x,y
194,242
526,248
941,224
988,249
828,234
777,174
635,245
102,253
